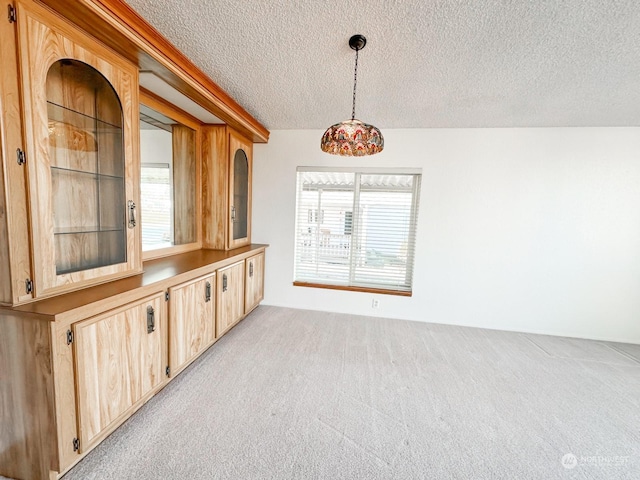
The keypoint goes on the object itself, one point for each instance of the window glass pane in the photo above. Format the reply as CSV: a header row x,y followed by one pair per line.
x,y
356,229
385,220
323,246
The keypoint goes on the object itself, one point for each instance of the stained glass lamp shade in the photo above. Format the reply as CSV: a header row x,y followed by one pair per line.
x,y
353,138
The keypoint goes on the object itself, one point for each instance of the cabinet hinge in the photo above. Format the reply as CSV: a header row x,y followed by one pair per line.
x,y
13,16
21,157
76,444
167,371
69,337
28,285
166,296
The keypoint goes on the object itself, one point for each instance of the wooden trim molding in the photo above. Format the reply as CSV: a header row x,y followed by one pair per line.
x,y
122,29
381,291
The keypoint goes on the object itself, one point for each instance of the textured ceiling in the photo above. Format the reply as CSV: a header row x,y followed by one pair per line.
x,y
427,63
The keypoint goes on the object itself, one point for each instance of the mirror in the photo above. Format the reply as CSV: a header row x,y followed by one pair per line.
x,y
168,181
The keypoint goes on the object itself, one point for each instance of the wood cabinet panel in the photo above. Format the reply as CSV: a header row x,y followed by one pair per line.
x,y
59,205
215,174
184,185
27,427
119,364
254,281
226,194
15,259
192,327
65,396
5,258
230,297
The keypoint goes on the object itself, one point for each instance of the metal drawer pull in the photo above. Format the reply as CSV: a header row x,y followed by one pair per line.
x,y
151,319
207,292
132,213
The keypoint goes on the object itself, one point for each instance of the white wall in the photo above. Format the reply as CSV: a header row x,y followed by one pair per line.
x,y
533,230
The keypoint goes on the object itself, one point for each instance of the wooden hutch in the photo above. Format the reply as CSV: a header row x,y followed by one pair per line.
x,y
93,324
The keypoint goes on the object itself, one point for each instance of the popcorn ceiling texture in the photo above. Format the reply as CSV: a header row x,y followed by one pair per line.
x,y
427,63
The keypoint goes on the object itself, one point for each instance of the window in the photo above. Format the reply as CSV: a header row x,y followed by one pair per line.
x,y
356,229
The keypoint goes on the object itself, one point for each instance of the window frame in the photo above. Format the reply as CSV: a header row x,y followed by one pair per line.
x,y
356,189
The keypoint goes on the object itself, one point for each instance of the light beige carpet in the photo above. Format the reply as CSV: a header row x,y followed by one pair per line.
x,y
292,394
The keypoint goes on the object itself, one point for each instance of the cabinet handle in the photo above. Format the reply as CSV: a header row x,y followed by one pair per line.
x,y
132,213
151,319
251,269
207,292
224,282
233,214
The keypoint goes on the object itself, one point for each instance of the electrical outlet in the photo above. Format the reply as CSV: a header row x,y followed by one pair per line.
x,y
375,303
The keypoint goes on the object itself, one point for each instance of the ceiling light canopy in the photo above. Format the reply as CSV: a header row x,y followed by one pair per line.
x,y
353,138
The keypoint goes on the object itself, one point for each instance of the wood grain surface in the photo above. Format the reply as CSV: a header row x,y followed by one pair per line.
x,y
27,419
230,300
215,175
159,274
254,281
45,39
118,364
185,189
192,327
15,260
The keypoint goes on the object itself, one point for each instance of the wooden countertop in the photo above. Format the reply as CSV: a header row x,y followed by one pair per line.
x,y
158,275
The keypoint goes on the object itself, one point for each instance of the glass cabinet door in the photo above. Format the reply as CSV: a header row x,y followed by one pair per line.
x,y
240,195
80,106
239,191
87,168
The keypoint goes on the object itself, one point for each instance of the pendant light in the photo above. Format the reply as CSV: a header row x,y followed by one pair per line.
x,y
353,138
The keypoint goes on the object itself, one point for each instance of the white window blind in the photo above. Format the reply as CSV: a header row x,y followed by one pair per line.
x,y
356,228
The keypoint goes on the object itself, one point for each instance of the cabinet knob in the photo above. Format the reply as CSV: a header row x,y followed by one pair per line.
x,y
224,282
251,269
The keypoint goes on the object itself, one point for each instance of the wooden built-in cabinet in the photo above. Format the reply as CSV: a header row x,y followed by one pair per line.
x,y
77,365
80,109
192,327
227,177
120,361
88,333
254,282
230,303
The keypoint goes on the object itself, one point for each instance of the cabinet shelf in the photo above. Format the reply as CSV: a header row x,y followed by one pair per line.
x,y
66,115
85,230
85,172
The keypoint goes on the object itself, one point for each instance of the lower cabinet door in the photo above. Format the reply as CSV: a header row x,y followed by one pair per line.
x,y
254,277
230,299
119,365
192,325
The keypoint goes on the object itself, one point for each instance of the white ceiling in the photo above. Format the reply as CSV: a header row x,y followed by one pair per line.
x,y
427,63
